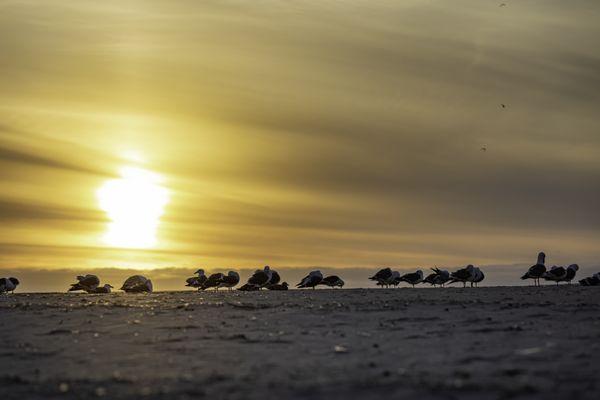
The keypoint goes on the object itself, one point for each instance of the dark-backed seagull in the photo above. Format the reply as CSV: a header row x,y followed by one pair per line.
x,y
332,281
213,281
442,277
230,280
8,284
463,275
593,280
102,289
261,278
86,283
311,280
571,272
536,271
196,281
382,276
413,278
137,284
555,274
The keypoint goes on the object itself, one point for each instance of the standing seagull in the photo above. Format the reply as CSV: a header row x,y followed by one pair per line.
x,y
213,281
442,277
311,280
137,284
536,271
230,280
87,283
382,276
555,274
463,275
332,281
196,281
413,278
571,272
8,285
261,278
479,276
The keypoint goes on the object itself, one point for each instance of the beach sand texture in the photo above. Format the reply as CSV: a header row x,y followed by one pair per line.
x,y
484,343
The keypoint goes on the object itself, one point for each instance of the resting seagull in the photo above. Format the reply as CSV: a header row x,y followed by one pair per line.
x,y
536,271
311,280
332,281
277,286
196,281
8,284
261,278
555,274
137,284
593,280
230,280
102,289
571,272
382,276
86,283
413,278
463,275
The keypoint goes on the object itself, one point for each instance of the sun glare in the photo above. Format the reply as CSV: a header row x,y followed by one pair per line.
x,y
134,203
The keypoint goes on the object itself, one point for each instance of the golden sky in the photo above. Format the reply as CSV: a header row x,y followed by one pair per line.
x,y
298,133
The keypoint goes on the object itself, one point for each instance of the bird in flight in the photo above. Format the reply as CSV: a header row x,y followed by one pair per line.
x,y
483,148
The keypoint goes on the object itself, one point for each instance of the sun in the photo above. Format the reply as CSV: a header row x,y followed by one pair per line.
x,y
134,203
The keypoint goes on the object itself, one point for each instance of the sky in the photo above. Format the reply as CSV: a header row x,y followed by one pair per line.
x,y
345,134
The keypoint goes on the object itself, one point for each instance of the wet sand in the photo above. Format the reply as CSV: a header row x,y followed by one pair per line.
x,y
485,343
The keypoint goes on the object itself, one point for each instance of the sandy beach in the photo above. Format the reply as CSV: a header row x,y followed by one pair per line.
x,y
486,343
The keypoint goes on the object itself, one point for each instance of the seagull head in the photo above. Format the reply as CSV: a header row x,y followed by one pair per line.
x,y
266,268
233,273
200,272
470,268
574,267
420,273
541,257
14,281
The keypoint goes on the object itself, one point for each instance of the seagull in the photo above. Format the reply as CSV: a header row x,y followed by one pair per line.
x,y
593,280
413,278
311,280
502,105
332,281
536,271
8,285
479,276
394,280
261,277
196,281
555,274
230,280
86,283
102,289
442,277
382,276
137,284
463,275
277,286
248,287
275,278
483,148
571,272
213,281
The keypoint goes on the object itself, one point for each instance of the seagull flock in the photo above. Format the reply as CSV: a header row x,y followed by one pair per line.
x,y
269,279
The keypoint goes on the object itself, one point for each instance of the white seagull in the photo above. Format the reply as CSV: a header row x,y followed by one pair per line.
x,y
571,272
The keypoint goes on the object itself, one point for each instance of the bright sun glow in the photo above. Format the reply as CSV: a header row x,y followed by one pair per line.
x,y
134,203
